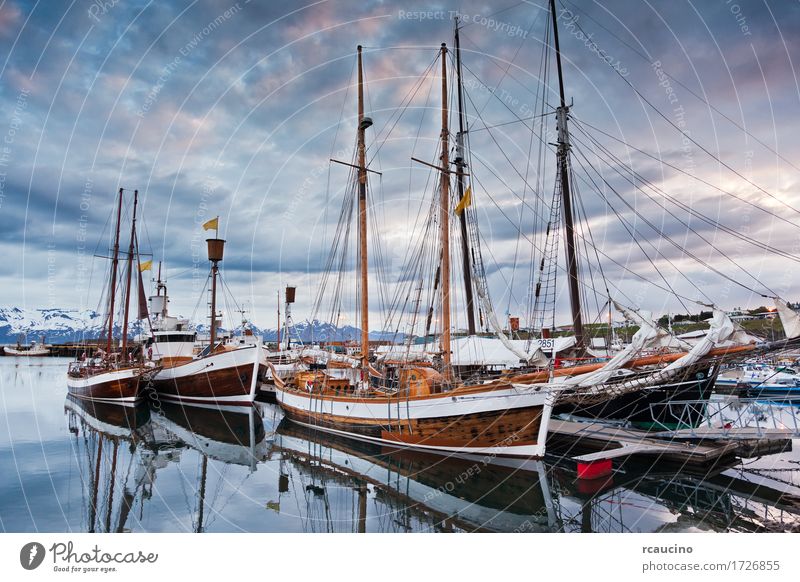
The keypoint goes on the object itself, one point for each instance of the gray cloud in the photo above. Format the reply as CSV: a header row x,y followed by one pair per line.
x,y
236,115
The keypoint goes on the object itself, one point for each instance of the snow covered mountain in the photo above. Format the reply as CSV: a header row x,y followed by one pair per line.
x,y
57,325
70,325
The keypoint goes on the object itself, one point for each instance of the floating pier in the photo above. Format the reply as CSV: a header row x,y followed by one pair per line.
x,y
598,444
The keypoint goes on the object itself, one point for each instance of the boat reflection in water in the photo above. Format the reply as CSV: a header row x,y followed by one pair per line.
x,y
653,501
217,470
99,430
119,477
350,485
233,435
414,488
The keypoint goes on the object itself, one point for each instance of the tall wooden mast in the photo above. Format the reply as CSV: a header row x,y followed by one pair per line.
x,y
112,289
562,155
460,165
363,123
445,223
128,281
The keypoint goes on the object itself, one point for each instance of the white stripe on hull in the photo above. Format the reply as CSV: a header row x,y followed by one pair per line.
x,y
401,409
242,399
102,378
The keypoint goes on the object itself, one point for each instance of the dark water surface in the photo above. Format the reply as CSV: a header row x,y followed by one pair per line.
x,y
71,466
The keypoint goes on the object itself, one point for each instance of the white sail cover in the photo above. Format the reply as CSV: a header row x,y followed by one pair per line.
x,y
535,358
326,356
648,336
469,351
722,331
789,318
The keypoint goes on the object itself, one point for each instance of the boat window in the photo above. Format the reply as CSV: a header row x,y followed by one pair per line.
x,y
175,337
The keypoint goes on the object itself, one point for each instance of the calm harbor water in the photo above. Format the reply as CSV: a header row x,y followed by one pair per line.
x,y
71,466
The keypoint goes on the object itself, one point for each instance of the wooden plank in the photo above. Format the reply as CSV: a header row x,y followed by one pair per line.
x,y
612,442
623,451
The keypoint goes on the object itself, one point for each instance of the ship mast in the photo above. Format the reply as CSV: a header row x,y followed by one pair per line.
x,y
562,155
160,285
128,281
279,320
460,164
363,124
113,283
216,248
445,224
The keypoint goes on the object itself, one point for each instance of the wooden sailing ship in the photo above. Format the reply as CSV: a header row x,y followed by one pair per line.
x,y
429,410
114,374
224,372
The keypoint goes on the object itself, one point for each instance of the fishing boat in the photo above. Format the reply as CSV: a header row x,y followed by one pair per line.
x,y
31,350
227,371
114,374
171,340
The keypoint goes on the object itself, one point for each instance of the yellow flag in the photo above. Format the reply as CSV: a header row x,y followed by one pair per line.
x,y
465,201
213,223
145,266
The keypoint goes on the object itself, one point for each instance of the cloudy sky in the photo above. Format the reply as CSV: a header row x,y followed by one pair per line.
x,y
234,108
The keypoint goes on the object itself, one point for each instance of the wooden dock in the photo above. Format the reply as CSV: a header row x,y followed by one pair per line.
x,y
589,442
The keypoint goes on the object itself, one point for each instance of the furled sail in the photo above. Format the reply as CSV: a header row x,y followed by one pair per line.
x,y
722,330
142,298
327,356
649,336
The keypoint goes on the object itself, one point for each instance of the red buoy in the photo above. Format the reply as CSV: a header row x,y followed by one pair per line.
x,y
594,469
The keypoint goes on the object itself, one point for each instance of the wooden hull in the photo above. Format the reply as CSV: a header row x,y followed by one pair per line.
x,y
117,386
504,422
229,377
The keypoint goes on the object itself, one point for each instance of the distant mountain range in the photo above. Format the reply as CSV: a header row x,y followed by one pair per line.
x,y
70,325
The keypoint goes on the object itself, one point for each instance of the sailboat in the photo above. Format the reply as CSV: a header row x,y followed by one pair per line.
x,y
225,372
428,410
113,375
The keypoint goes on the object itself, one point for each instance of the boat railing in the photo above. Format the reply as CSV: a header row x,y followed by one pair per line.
x,y
733,418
